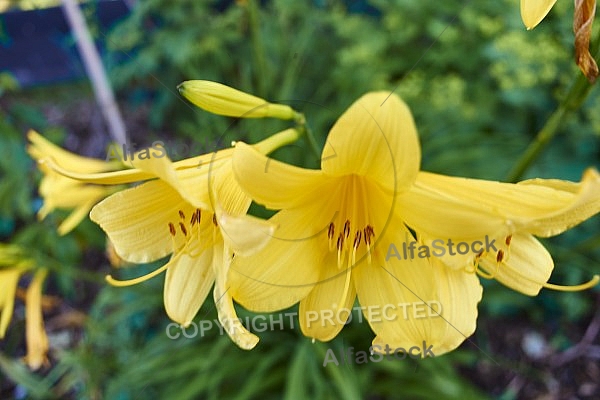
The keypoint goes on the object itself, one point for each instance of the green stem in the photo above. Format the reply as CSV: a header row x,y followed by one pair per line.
x,y
575,96
312,142
258,49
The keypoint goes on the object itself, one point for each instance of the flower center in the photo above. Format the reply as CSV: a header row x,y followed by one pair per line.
x,y
345,246
185,233
183,229
352,232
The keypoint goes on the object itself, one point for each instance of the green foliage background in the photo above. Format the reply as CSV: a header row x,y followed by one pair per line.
x,y
480,88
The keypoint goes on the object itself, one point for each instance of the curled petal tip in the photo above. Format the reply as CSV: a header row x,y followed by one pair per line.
x,y
534,11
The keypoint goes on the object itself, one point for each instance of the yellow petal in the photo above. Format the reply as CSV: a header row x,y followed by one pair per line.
x,y
189,168
534,11
245,235
527,266
189,279
272,183
392,281
100,178
442,322
37,340
429,203
323,313
226,193
409,302
285,270
375,137
113,257
473,208
223,100
190,183
224,302
583,201
9,279
137,220
459,293
41,148
66,193
76,217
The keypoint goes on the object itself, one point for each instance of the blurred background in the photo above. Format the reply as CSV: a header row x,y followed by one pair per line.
x,y
480,87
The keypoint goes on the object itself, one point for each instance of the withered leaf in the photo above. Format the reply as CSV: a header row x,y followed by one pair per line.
x,y
582,26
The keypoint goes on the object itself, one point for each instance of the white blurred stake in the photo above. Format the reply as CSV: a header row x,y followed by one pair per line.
x,y
95,71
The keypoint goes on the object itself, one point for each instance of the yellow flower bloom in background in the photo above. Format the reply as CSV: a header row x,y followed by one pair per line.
x,y
337,224
220,99
37,340
534,11
195,211
13,264
64,193
9,278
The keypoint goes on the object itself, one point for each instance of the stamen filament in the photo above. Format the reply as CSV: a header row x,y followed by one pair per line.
x,y
330,234
471,269
483,274
135,281
475,265
593,282
346,286
341,257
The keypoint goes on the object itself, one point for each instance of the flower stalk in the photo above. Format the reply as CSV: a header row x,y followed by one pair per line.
x,y
577,93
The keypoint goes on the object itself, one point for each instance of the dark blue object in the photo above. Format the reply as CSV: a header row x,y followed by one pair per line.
x,y
37,47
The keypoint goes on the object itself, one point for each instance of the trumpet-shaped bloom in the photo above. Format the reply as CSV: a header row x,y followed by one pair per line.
x,y
514,214
534,11
194,211
61,192
336,225
13,264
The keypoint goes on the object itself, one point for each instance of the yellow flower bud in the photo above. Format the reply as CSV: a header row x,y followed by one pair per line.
x,y
224,100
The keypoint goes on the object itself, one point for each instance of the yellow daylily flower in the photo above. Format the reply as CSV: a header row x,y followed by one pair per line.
x,y
328,248
224,100
336,226
534,11
64,193
510,214
195,211
13,264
